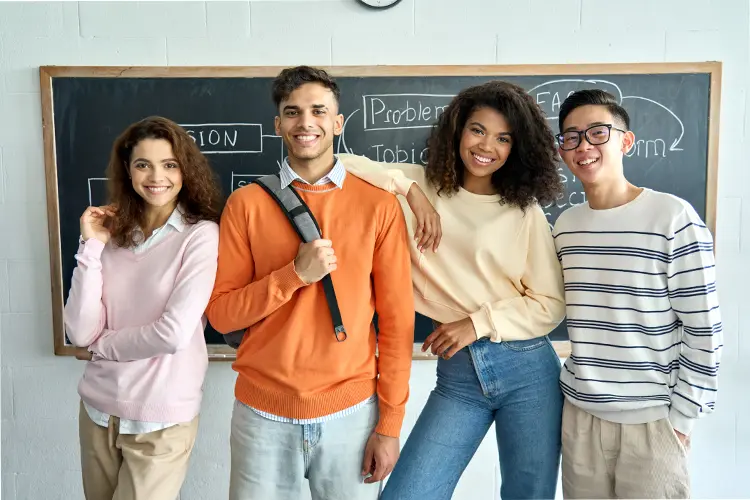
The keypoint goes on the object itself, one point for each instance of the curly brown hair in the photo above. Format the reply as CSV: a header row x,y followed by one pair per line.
x,y
200,195
530,173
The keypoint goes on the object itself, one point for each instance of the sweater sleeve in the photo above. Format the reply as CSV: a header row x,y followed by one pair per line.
x,y
394,304
85,315
691,279
183,312
239,300
541,307
396,178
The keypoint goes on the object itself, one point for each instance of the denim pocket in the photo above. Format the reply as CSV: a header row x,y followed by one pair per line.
x,y
525,345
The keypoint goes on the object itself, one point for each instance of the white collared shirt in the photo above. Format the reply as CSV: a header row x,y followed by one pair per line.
x,y
336,175
174,223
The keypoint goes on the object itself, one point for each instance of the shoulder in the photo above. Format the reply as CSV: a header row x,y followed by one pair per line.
x,y
569,217
201,233
369,194
676,213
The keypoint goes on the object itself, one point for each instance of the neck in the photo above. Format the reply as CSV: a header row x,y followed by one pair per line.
x,y
611,195
478,185
314,169
155,217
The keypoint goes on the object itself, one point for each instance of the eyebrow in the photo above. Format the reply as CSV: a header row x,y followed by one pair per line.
x,y
592,124
163,161
485,129
296,108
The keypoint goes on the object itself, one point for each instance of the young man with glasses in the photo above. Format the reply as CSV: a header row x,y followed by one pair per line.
x,y
642,313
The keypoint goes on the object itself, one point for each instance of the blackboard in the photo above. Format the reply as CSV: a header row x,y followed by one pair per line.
x,y
389,112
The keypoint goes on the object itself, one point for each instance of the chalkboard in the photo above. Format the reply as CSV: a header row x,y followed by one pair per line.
x,y
388,114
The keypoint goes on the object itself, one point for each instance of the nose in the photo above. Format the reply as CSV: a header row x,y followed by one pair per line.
x,y
486,143
584,145
307,121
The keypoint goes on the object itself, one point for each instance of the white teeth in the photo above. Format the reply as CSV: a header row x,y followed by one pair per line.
x,y
306,138
482,158
583,163
157,189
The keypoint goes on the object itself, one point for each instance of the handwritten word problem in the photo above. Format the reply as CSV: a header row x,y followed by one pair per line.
x,y
403,111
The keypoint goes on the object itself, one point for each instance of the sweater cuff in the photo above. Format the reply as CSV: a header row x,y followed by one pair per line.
x,y
403,184
483,324
92,247
288,279
390,421
680,421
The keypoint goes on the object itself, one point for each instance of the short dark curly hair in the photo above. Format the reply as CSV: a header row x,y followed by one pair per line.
x,y
290,79
528,176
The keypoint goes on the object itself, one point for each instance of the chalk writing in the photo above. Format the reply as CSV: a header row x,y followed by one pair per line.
x,y
402,111
226,138
395,154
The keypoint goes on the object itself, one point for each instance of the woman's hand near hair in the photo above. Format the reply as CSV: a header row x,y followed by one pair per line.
x,y
94,223
428,231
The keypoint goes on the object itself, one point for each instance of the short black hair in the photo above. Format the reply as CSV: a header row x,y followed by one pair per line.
x,y
290,79
593,97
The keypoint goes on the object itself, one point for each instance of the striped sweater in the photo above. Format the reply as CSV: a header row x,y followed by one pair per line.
x,y
642,311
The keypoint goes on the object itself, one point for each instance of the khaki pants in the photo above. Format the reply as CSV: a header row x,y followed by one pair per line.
x,y
602,459
148,466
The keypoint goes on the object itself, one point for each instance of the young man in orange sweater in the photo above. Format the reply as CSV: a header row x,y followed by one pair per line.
x,y
307,405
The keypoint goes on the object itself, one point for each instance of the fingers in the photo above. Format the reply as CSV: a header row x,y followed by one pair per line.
x,y
442,344
379,473
419,231
429,340
426,235
438,237
367,463
452,351
321,243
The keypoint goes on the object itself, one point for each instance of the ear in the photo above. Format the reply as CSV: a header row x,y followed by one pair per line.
x,y
338,124
628,140
277,125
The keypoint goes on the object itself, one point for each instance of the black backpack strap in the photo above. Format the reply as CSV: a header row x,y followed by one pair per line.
x,y
307,228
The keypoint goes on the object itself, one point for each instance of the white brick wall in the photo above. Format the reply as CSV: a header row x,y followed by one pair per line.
x,y
39,402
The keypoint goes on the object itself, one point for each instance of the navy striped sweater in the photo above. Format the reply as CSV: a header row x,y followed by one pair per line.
x,y
642,311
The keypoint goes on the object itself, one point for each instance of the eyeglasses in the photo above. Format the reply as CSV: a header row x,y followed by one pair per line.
x,y
596,135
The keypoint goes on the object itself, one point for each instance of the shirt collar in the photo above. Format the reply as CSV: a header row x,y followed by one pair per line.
x,y
175,220
336,175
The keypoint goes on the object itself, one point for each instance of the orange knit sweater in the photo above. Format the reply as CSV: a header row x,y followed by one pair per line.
x,y
290,363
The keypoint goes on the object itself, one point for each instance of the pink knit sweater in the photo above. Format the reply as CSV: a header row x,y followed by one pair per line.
x,y
141,315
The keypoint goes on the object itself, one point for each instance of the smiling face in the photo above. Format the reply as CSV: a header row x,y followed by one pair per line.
x,y
155,173
602,163
486,143
309,121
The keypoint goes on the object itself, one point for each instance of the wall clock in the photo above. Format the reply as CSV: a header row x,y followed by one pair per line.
x,y
379,4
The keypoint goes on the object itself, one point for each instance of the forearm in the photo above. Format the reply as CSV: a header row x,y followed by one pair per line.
x,y
84,313
233,309
395,178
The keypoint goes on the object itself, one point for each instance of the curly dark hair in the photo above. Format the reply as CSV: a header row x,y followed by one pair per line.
x,y
290,79
200,195
530,173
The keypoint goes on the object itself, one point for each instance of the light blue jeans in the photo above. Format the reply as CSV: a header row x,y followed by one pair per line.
x,y
513,384
271,460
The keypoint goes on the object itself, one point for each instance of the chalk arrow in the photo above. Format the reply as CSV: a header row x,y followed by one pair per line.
x,y
342,139
676,142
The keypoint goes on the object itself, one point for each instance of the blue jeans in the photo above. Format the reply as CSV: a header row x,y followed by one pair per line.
x,y
513,384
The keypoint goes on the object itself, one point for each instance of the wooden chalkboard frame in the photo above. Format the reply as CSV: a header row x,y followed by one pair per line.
x,y
225,353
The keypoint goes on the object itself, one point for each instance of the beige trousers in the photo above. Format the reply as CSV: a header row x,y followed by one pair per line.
x,y
602,459
148,466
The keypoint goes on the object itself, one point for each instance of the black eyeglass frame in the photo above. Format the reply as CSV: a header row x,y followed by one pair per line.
x,y
585,133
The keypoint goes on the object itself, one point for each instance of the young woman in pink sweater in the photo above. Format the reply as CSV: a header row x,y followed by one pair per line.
x,y
145,272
